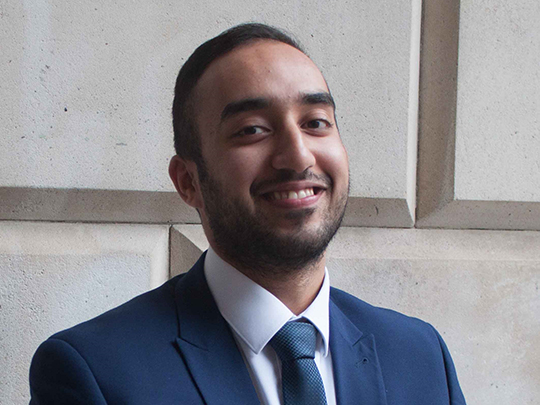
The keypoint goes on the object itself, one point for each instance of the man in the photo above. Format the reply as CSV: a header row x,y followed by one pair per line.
x,y
260,157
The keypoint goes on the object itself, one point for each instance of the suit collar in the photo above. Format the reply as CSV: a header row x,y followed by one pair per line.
x,y
357,372
207,345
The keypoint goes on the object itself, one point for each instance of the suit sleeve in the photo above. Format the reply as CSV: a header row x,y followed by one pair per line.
x,y
454,390
59,375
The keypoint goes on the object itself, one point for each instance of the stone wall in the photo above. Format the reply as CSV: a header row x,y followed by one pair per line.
x,y
438,105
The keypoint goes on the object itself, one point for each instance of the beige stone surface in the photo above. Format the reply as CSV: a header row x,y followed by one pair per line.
x,y
480,289
87,205
498,102
187,244
53,276
479,140
87,88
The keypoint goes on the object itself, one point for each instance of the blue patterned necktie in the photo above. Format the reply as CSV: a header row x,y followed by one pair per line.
x,y
302,384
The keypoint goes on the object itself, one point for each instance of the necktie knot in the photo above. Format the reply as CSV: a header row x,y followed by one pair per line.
x,y
295,340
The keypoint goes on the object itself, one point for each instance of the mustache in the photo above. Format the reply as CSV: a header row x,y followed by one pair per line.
x,y
285,176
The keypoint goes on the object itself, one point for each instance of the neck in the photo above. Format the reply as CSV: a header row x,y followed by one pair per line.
x,y
296,288
298,293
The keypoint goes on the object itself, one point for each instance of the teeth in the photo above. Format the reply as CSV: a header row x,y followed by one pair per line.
x,y
292,195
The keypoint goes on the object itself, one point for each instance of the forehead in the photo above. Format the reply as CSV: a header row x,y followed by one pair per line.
x,y
260,69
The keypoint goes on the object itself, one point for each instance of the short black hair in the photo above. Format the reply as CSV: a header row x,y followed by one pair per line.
x,y
187,142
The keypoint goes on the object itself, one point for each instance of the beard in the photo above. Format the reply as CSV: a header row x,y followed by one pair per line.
x,y
251,242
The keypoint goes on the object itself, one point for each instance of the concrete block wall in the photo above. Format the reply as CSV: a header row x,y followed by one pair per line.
x,y
54,275
437,105
479,140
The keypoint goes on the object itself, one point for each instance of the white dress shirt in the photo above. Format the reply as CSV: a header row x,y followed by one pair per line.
x,y
255,315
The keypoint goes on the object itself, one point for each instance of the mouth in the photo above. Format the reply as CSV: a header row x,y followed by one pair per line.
x,y
293,194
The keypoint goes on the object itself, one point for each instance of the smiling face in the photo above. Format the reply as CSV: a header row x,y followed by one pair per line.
x,y
274,185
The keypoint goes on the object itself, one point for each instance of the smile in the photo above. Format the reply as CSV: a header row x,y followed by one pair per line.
x,y
291,195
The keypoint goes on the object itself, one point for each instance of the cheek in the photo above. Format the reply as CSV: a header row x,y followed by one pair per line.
x,y
332,158
240,168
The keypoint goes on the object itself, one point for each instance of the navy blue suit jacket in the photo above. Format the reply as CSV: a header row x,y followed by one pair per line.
x,y
172,346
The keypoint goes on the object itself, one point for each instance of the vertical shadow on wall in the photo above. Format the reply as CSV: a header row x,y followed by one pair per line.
x,y
437,105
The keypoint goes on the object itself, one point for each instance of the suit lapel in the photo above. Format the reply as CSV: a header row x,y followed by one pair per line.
x,y
357,373
207,344
210,352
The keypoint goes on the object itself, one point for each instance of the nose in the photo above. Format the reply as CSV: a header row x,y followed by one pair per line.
x,y
292,150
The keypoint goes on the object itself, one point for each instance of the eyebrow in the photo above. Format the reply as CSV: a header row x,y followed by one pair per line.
x,y
318,98
248,104
253,104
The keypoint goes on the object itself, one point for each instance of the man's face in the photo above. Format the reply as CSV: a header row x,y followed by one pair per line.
x,y
275,181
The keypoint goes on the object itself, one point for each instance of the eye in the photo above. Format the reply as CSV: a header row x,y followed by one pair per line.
x,y
252,130
317,124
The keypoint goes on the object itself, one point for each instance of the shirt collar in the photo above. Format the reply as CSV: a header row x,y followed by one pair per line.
x,y
253,312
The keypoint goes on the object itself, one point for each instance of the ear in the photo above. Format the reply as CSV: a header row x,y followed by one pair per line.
x,y
185,177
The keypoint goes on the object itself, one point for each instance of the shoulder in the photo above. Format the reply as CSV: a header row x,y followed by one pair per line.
x,y
143,319
119,354
385,324
124,333
415,362
153,310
